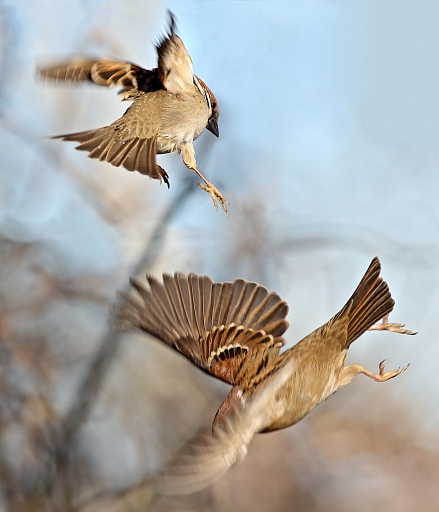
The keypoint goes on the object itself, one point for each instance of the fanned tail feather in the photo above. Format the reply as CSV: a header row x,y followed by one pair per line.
x,y
135,154
370,302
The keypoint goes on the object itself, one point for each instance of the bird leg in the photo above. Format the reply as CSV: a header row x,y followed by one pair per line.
x,y
386,326
188,155
350,371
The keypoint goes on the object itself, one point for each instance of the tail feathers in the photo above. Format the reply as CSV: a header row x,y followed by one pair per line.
x,y
370,302
134,154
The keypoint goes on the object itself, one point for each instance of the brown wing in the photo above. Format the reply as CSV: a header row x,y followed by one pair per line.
x,y
208,456
215,325
106,72
77,69
227,352
175,70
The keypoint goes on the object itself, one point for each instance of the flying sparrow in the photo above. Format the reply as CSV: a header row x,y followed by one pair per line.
x,y
234,331
171,108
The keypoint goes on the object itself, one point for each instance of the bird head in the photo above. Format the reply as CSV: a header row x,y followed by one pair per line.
x,y
212,123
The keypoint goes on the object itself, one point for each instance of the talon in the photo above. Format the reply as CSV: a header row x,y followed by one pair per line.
x,y
163,175
383,376
391,327
216,196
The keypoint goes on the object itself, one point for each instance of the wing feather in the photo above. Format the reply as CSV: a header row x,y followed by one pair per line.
x,y
215,325
207,456
175,70
132,78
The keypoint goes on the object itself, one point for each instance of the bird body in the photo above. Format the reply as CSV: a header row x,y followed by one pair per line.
x,y
171,108
234,331
315,379
173,122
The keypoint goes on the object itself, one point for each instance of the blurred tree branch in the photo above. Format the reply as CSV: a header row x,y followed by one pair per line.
x,y
93,380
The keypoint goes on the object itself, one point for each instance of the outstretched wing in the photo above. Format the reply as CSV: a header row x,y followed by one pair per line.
x,y
107,72
175,70
217,326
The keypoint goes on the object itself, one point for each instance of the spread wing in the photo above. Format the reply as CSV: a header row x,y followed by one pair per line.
x,y
175,70
217,326
107,72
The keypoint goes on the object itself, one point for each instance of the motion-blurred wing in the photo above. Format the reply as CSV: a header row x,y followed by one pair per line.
x,y
106,72
208,456
175,68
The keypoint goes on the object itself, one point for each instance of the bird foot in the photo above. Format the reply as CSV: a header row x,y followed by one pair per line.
x,y
392,327
383,376
216,196
163,175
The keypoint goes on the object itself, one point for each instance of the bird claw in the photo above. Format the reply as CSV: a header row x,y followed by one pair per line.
x,y
163,175
216,196
392,327
383,376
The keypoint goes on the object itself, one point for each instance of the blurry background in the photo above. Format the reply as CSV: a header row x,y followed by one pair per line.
x,y
328,155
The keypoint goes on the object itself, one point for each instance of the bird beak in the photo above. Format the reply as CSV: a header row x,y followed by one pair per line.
x,y
212,126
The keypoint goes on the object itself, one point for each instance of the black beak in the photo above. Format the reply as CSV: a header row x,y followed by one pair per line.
x,y
212,126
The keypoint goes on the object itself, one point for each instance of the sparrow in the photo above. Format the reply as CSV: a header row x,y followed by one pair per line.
x,y
171,108
234,332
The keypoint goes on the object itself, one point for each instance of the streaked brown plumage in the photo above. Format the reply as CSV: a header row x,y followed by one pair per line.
x,y
234,331
171,108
